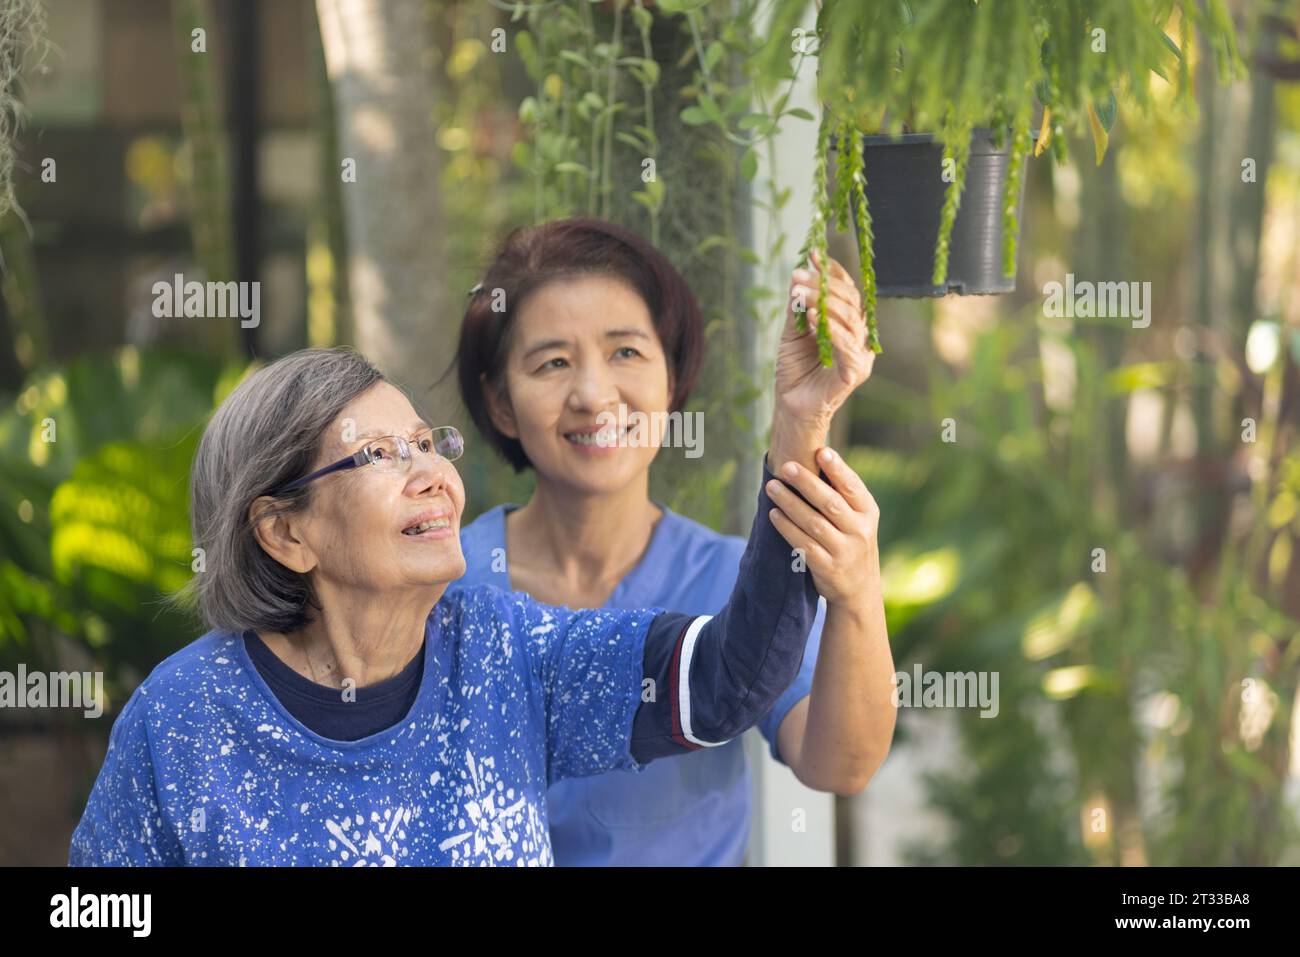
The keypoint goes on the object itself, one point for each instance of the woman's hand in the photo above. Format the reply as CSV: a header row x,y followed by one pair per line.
x,y
805,388
808,393
835,529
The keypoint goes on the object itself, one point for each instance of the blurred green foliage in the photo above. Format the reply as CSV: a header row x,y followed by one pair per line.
x,y
94,506
1134,698
990,564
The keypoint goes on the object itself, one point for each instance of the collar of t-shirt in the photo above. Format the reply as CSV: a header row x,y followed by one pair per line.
x,y
642,587
324,710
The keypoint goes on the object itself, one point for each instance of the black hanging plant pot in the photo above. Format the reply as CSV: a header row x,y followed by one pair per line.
x,y
906,188
931,217
959,69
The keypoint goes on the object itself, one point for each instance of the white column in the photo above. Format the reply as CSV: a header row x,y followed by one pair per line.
x,y
792,825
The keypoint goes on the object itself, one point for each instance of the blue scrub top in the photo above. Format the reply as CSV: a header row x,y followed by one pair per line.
x,y
692,810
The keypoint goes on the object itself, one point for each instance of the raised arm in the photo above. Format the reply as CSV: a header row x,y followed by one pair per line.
x,y
722,674
711,677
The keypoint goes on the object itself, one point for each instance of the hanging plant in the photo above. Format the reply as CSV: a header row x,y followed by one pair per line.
x,y
964,72
22,45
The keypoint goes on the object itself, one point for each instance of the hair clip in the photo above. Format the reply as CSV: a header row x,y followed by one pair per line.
x,y
478,288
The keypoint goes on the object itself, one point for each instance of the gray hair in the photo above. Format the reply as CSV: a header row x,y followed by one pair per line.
x,y
265,434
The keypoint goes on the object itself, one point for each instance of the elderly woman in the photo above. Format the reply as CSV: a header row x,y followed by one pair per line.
x,y
346,708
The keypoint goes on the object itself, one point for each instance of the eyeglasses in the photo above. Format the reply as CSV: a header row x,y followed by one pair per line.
x,y
392,453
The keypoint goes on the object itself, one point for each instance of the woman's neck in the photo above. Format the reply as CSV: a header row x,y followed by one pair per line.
x,y
357,635
574,549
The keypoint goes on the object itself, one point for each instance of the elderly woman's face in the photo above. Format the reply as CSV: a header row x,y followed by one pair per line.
x,y
359,526
582,347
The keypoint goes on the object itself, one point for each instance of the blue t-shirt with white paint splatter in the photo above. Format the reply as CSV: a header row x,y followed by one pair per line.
x,y
690,812
205,765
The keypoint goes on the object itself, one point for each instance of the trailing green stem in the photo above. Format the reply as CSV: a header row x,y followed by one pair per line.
x,y
816,238
866,239
959,153
1011,198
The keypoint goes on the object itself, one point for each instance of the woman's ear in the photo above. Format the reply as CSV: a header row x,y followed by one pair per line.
x,y
500,411
278,535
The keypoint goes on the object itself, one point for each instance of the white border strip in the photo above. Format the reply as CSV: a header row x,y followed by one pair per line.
x,y
684,683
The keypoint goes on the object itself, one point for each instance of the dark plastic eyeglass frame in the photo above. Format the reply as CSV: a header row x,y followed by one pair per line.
x,y
362,457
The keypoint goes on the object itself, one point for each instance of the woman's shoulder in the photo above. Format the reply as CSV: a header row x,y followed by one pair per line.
x,y
485,525
201,661
466,606
482,615
486,615
183,682
482,542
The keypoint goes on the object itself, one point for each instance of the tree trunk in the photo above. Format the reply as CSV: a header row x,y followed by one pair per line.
x,y
209,185
379,58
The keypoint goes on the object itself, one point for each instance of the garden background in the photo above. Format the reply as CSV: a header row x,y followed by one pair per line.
x,y
1110,524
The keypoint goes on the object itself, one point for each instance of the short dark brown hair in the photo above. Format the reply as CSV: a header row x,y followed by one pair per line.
x,y
533,256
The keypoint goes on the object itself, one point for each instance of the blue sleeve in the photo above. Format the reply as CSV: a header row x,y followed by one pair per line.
x,y
800,688
712,677
123,823
587,667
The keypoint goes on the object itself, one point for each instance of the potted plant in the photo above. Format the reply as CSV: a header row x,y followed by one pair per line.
x,y
930,105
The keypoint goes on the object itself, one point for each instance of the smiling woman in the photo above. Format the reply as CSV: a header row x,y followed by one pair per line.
x,y
347,708
545,284
590,333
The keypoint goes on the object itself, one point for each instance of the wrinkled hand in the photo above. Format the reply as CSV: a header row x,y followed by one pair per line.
x,y
807,391
835,528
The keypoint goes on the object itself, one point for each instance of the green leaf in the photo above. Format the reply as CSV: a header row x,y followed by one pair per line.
x,y
568,166
749,164
1139,375
711,110
710,242
800,113
571,57
645,71
635,142
713,54
648,135
1100,138
694,116
1107,111
528,54
738,102
646,200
